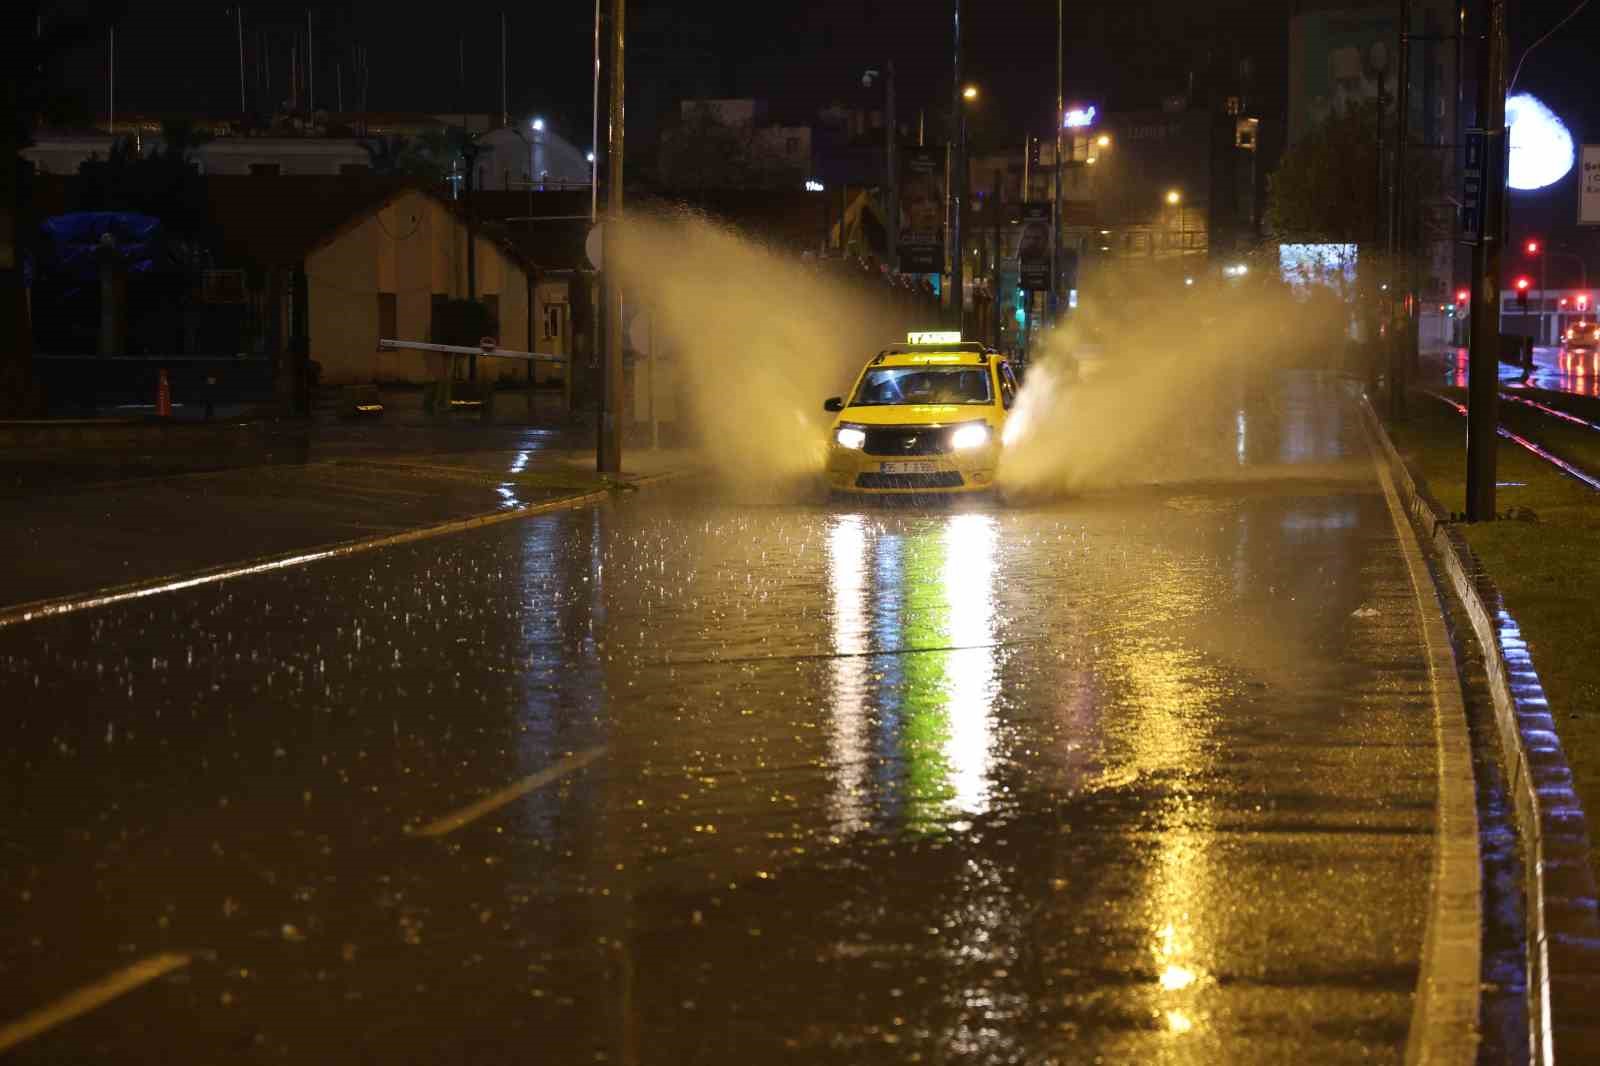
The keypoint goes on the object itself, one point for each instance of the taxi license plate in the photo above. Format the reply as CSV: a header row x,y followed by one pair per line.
x,y
910,468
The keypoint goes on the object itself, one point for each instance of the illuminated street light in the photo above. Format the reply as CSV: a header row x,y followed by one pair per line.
x,y
1104,140
589,157
969,93
1174,197
538,125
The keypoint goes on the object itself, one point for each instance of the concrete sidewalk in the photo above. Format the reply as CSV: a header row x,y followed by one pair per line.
x,y
67,536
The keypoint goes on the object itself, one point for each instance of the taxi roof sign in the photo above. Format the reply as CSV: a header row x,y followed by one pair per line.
x,y
936,336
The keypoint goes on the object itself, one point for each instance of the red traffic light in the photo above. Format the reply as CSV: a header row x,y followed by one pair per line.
x,y
1523,283
1462,296
1533,247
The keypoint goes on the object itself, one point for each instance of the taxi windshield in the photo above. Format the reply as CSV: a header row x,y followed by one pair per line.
x,y
883,386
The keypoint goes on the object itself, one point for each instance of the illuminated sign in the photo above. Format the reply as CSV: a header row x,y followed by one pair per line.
x,y
937,336
1078,117
813,185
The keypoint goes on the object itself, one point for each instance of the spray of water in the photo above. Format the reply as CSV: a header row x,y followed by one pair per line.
x,y
758,339
1148,382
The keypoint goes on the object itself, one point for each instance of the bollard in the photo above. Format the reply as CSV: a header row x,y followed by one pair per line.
x,y
163,395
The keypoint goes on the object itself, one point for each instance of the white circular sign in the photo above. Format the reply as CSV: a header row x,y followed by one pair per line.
x,y
594,246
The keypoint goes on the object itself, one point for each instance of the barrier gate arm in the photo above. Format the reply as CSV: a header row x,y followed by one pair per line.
x,y
387,345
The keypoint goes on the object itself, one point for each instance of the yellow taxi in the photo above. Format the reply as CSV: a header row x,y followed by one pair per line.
x,y
924,417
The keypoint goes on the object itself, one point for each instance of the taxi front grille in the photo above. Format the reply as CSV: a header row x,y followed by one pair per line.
x,y
944,479
907,440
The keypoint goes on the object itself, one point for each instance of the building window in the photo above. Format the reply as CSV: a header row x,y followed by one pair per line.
x,y
553,314
265,170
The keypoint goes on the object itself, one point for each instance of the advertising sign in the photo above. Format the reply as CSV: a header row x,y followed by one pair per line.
x,y
922,209
1337,58
1033,251
1589,189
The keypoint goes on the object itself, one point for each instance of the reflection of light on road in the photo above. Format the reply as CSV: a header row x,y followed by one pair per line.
x,y
520,463
1173,694
968,577
848,742
1239,445
1176,978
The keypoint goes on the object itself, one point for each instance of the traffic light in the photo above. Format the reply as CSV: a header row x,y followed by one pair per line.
x,y
1532,247
1523,284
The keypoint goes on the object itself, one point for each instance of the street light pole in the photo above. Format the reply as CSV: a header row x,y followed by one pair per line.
x,y
608,450
958,175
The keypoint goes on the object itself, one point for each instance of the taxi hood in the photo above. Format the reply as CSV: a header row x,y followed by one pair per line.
x,y
918,414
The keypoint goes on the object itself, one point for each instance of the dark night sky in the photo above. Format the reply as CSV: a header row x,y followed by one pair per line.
x,y
1122,53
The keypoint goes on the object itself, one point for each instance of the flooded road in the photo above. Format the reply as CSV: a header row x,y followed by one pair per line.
x,y
1144,774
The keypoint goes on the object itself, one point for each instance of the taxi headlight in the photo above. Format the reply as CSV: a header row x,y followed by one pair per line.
x,y
850,438
975,435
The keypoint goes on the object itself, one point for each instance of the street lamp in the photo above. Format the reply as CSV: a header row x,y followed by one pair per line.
x,y
969,93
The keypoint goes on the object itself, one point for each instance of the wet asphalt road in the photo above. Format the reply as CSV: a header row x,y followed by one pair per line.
x,y
1143,775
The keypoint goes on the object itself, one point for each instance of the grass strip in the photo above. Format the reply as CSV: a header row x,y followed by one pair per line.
x,y
1548,570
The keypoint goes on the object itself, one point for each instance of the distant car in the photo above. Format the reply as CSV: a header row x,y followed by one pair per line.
x,y
1581,336
923,417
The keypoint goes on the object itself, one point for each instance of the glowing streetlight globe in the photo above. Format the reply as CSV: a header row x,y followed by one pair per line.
x,y
1541,147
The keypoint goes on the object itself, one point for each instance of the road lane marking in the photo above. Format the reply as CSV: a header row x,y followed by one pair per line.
x,y
495,800
1445,1012
39,609
89,997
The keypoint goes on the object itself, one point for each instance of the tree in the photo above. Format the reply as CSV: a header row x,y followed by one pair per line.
x,y
1325,189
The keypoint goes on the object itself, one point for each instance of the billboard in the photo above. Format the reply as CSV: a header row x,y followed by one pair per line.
x,y
922,209
1033,249
1337,58
1589,186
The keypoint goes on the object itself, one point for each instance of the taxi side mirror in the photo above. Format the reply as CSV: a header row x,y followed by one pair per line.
x,y
833,403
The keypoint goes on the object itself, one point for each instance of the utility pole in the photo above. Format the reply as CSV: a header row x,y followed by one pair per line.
x,y
311,72
505,112
238,13
891,169
994,263
1483,381
1397,185
1055,196
608,451
958,176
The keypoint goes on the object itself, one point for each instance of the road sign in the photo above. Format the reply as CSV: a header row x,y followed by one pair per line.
x,y
1589,187
1472,177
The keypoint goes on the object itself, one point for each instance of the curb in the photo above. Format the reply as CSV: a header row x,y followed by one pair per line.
x,y
48,608
92,432
1562,913
1447,1006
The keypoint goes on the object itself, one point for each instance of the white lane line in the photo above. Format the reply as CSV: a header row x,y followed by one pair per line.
x,y
1445,1010
88,998
29,612
495,800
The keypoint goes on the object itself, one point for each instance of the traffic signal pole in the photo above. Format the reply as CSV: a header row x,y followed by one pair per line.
x,y
1483,381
